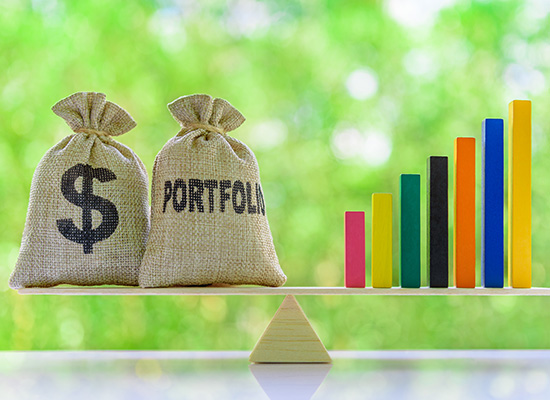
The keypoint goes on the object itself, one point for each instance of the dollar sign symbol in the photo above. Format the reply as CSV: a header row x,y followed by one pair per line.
x,y
88,202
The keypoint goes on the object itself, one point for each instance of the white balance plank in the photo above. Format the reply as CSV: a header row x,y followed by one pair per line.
x,y
289,290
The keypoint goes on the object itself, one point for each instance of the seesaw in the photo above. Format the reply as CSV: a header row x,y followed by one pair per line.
x,y
289,337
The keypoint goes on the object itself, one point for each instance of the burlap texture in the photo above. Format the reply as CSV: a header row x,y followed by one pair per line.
x,y
208,220
88,215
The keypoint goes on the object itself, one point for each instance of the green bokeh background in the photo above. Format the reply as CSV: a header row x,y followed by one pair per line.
x,y
328,89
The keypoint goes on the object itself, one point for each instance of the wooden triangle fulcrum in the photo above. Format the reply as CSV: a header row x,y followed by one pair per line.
x,y
289,338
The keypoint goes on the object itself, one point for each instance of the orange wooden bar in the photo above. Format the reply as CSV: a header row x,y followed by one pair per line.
x,y
464,242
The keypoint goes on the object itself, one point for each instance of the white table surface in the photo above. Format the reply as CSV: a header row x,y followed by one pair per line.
x,y
496,374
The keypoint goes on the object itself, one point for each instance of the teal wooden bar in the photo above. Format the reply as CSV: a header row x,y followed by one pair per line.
x,y
409,229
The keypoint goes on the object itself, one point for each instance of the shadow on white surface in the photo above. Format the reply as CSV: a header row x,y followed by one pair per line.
x,y
376,375
290,381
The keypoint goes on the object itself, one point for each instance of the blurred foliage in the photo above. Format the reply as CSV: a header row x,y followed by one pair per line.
x,y
340,98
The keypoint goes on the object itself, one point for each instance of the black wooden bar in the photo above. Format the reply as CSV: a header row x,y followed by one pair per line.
x,y
438,222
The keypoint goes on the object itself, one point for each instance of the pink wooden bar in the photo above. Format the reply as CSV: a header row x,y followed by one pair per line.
x,y
355,249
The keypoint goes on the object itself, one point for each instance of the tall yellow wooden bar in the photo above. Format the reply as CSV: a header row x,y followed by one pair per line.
x,y
381,264
519,193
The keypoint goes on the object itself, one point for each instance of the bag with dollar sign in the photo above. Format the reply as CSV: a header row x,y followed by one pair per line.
x,y
208,214
88,215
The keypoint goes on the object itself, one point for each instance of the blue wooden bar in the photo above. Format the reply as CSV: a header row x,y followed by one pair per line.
x,y
492,208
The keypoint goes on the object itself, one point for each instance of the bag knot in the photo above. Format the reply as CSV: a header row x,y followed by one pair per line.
x,y
201,111
90,112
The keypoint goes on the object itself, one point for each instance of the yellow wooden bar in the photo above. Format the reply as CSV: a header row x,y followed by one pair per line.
x,y
519,193
381,242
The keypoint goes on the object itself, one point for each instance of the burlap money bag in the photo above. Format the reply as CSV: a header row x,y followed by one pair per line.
x,y
208,214
88,215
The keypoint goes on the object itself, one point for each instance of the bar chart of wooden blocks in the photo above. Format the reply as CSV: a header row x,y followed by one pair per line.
x,y
462,185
